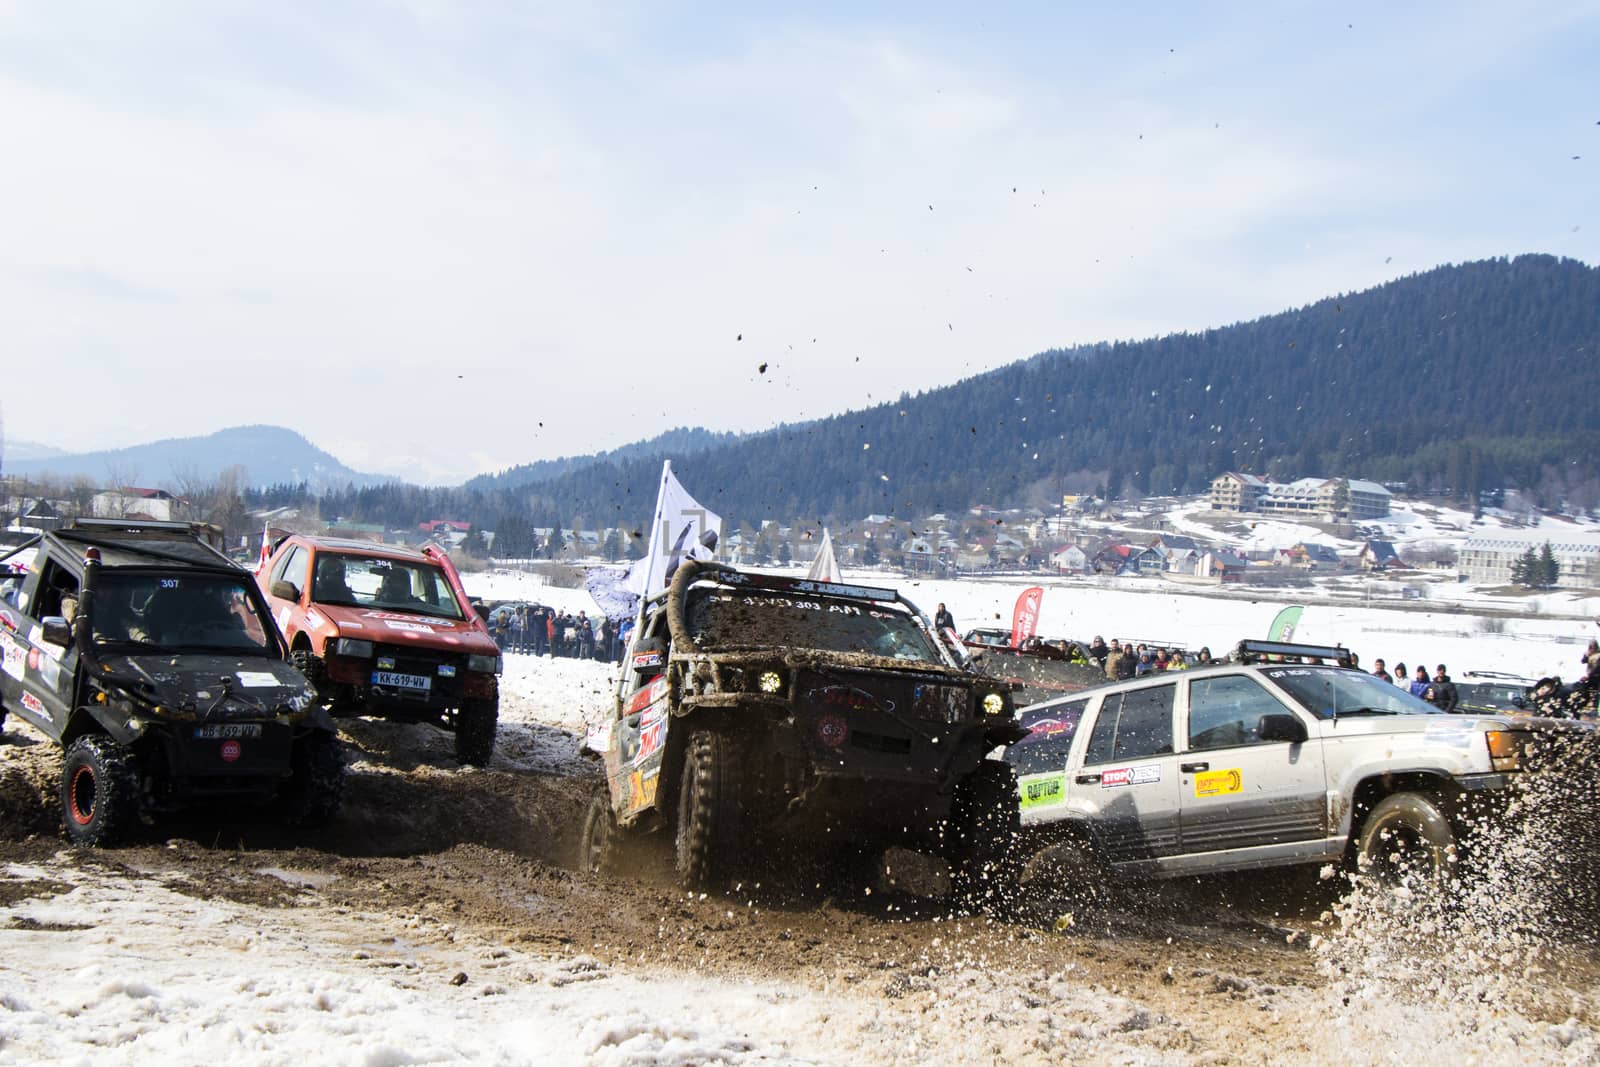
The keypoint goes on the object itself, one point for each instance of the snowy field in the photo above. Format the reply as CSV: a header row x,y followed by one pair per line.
x,y
151,955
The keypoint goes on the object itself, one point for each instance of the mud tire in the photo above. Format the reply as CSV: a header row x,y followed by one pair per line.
x,y
600,843
99,791
476,723
310,664
709,812
1405,838
315,787
981,837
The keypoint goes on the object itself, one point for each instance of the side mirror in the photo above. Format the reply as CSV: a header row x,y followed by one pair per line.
x,y
1281,726
284,590
56,631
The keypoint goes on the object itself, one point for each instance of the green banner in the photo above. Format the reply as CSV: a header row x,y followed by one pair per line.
x,y
1283,626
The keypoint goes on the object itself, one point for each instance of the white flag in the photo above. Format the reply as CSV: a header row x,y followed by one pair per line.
x,y
682,529
825,568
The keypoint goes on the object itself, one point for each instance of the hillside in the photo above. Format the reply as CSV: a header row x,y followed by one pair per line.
x,y
682,441
270,455
1463,376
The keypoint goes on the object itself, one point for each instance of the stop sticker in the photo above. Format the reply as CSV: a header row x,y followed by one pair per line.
x,y
230,751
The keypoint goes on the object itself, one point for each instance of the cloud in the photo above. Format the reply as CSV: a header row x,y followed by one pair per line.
x,y
335,212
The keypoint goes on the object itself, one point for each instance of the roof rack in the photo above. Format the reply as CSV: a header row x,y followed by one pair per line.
x,y
1258,651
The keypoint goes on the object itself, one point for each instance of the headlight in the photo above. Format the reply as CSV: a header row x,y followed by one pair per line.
x,y
484,664
1502,750
770,682
994,704
349,646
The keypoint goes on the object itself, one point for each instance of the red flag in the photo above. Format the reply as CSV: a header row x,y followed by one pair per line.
x,y
1025,619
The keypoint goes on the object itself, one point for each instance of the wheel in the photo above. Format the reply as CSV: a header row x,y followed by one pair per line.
x,y
475,726
1406,839
99,791
310,664
707,837
981,835
597,849
311,795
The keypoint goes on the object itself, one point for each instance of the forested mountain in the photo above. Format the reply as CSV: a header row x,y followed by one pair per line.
x,y
1474,375
682,441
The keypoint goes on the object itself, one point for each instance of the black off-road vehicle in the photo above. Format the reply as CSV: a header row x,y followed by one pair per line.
x,y
151,658
754,709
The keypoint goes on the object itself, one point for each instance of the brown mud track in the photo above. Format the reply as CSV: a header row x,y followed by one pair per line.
x,y
488,852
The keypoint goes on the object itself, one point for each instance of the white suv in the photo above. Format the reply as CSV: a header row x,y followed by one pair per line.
x,y
1254,764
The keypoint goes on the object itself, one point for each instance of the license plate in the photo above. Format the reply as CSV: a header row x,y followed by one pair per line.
x,y
228,730
391,680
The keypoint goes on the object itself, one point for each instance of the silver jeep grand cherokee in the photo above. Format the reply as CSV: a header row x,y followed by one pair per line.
x,y
1252,764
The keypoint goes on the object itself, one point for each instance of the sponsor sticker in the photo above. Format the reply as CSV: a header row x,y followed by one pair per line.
x,y
313,620
256,679
1218,783
1451,733
652,732
32,703
848,696
1130,776
283,617
50,670
231,751
832,730
1043,791
408,627
642,660
642,788
15,656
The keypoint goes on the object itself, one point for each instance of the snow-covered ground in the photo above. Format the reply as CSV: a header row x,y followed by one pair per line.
x,y
106,964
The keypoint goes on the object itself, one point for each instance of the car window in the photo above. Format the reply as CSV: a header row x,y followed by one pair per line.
x,y
1328,692
58,592
178,612
1050,733
1133,724
294,567
724,620
1226,712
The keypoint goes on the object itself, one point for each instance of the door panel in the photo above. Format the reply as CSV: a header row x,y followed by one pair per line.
x,y
1238,791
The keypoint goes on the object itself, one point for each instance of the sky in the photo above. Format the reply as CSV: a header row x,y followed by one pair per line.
x,y
443,238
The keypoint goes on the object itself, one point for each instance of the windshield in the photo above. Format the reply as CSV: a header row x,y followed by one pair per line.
x,y
1330,691
391,584
722,621
182,612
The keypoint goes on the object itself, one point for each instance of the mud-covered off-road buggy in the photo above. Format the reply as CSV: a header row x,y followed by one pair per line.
x,y
756,710
151,658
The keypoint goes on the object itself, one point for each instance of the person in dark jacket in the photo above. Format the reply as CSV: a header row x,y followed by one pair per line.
x,y
943,620
1442,691
1098,651
1420,683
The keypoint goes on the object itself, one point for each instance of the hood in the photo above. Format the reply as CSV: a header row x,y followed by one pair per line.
x,y
212,686
404,628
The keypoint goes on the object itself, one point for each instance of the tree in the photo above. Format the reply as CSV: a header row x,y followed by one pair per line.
x,y
1522,569
869,554
785,553
1548,571
612,547
475,544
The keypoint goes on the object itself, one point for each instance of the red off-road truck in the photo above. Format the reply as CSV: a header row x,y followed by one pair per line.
x,y
387,631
